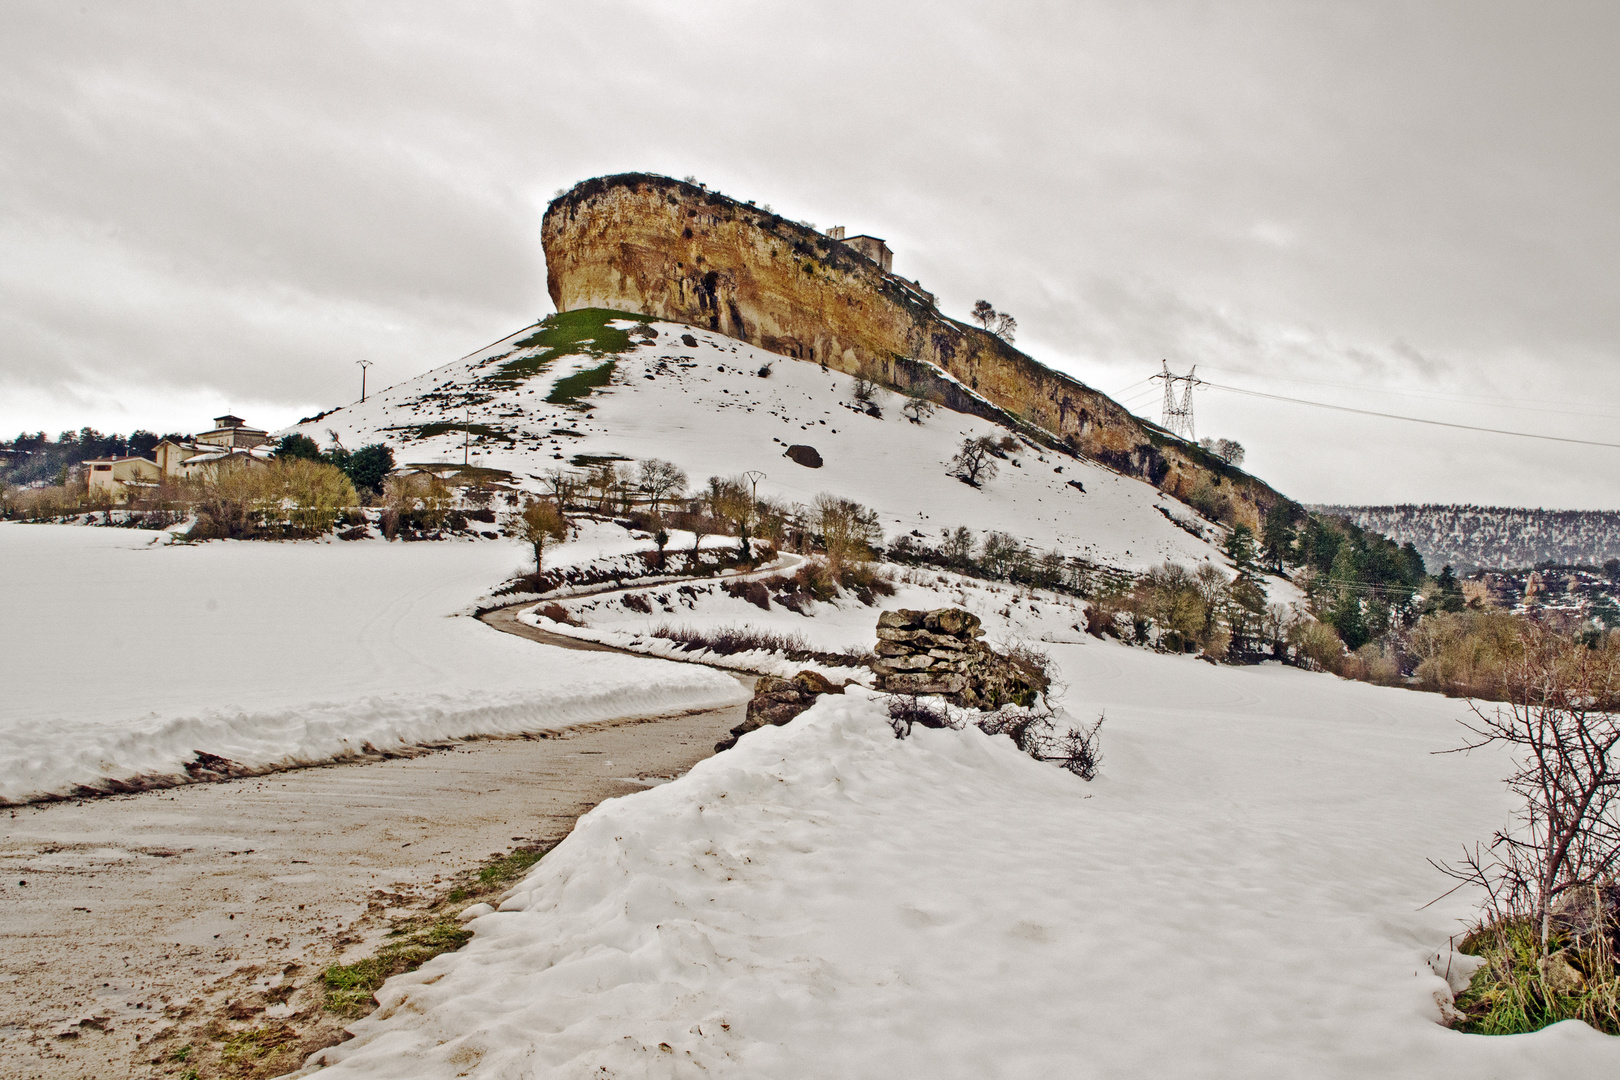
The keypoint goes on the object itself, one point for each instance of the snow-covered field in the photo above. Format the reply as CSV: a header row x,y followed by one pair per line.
x,y
705,408
1239,894
122,655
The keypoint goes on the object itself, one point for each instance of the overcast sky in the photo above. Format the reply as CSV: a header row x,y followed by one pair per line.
x,y
1405,208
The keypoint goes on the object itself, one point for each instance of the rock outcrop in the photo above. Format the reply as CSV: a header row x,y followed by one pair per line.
x,y
777,700
672,250
940,652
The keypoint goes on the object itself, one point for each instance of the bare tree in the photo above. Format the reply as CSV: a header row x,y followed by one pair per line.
x,y
540,524
1560,725
974,463
918,409
848,530
562,484
999,323
732,500
1227,450
658,480
604,483
957,546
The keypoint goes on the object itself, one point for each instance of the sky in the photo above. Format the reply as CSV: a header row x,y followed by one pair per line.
x,y
1400,208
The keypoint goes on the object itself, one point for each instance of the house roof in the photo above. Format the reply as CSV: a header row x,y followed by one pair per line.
x,y
228,421
866,236
116,460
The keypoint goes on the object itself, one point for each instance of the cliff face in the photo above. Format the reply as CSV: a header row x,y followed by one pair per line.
x,y
674,251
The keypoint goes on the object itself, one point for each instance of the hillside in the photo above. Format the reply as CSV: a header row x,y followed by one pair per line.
x,y
1494,537
675,250
587,387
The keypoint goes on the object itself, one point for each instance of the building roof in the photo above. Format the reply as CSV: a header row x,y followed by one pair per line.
x,y
229,421
865,236
116,460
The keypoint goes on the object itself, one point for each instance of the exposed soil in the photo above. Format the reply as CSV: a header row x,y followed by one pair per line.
x,y
202,916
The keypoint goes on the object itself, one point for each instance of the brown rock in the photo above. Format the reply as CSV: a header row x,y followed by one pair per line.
x,y
889,665
813,682
953,621
901,619
804,455
925,683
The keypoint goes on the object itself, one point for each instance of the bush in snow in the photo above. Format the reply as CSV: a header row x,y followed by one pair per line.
x,y
1551,929
285,497
1033,730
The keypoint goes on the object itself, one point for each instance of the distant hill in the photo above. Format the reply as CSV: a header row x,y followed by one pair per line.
x,y
1470,537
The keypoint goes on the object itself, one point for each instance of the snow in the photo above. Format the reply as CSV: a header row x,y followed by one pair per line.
x,y
121,655
1240,894
706,409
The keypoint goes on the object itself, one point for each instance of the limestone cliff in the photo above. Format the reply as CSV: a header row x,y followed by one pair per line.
x,y
673,250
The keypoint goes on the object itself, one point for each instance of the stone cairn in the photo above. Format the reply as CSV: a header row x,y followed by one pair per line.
x,y
940,652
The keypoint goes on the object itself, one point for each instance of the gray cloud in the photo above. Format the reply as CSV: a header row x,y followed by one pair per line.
x,y
232,204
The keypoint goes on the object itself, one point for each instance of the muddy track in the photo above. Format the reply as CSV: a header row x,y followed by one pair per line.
x,y
201,916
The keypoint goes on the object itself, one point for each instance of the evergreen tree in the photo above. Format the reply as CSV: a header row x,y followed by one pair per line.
x,y
368,465
1277,535
299,446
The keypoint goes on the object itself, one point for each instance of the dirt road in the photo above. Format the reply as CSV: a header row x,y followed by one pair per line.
x,y
135,926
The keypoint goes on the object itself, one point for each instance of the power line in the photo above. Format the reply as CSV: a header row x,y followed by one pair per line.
x,y
1522,403
1410,419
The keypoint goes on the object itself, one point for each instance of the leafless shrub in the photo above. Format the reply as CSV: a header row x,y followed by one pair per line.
x,y
558,613
1560,726
728,640
1079,750
906,710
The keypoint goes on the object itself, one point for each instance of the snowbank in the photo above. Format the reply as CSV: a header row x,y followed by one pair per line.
x,y
1238,895
122,656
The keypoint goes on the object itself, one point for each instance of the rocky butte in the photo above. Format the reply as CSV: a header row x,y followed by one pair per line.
x,y
674,250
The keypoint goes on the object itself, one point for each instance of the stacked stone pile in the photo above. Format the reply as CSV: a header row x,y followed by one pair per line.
x,y
776,701
940,652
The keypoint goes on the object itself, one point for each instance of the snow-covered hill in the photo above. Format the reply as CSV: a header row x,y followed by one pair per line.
x,y
717,407
1495,537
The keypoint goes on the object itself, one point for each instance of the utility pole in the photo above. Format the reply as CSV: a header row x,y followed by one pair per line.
x,y
753,476
1178,402
363,365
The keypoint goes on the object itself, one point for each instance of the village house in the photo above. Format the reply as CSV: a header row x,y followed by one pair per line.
x,y
230,438
116,475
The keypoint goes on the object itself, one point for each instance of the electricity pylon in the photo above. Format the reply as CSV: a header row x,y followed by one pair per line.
x,y
1178,402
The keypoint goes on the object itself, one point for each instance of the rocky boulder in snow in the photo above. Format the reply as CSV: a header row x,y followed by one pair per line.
x,y
940,652
804,455
776,701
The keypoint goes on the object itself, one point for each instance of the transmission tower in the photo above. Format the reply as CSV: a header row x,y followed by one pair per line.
x,y
1178,401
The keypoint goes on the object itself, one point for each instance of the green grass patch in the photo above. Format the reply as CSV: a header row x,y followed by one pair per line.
x,y
568,333
246,1046
476,473
497,874
571,388
445,427
590,461
1514,992
349,987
